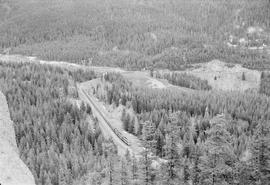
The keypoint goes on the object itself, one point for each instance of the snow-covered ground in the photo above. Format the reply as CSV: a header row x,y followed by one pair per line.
x,y
223,77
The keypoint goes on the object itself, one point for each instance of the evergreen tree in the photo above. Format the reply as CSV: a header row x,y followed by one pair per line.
x,y
186,171
88,109
261,153
149,135
173,164
125,118
145,168
124,175
134,170
111,171
218,156
127,122
243,76
159,138
131,126
195,175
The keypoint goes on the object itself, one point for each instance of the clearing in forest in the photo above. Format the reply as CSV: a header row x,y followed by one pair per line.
x,y
143,79
222,76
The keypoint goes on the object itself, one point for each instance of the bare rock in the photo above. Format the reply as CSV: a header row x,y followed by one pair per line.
x,y
13,171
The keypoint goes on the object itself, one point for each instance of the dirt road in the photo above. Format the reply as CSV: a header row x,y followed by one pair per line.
x,y
67,65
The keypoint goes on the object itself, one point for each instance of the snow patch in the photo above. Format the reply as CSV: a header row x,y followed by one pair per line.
x,y
154,37
231,45
243,41
223,77
246,156
155,84
253,30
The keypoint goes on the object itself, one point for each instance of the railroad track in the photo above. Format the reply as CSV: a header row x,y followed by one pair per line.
x,y
115,130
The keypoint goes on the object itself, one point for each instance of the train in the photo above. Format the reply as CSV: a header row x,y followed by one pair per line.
x,y
120,136
115,130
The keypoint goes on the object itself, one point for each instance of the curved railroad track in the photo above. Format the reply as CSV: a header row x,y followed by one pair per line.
x,y
115,130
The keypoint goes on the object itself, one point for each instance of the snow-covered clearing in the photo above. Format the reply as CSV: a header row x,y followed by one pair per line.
x,y
221,76
155,84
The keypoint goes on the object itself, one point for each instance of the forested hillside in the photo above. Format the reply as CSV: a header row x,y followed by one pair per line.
x,y
135,34
207,138
198,135
51,133
203,138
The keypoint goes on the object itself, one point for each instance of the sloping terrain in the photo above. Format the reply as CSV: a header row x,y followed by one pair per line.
x,y
109,124
222,76
225,77
139,78
133,34
12,169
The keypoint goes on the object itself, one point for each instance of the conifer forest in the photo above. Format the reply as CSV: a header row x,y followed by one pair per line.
x,y
135,92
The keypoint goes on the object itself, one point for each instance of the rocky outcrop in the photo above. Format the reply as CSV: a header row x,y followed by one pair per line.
x,y
12,169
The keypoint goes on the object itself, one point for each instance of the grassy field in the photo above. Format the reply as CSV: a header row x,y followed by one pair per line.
x,y
229,78
132,34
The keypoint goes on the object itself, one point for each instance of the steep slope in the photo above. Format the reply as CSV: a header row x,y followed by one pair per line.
x,y
12,169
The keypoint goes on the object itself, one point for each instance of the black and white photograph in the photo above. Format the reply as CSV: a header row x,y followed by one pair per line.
x,y
134,92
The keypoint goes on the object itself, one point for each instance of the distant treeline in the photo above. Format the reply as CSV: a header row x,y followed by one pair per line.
x,y
169,35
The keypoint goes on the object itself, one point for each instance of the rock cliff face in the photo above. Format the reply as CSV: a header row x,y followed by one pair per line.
x,y
12,169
